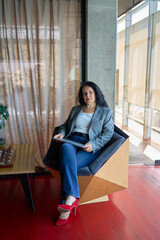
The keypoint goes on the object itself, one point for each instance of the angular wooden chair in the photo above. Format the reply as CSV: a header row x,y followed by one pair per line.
x,y
107,174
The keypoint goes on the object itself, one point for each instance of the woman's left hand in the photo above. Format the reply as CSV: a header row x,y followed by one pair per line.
x,y
88,147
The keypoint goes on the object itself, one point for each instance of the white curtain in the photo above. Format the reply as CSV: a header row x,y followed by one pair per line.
x,y
39,67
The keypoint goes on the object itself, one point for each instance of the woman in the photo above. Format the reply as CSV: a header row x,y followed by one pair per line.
x,y
89,123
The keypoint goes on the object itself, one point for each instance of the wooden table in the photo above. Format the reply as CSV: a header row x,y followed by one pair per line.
x,y
23,166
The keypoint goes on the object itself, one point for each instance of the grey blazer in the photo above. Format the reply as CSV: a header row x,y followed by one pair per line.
x,y
101,126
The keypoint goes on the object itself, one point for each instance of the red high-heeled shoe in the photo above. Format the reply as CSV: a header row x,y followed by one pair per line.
x,y
61,221
68,208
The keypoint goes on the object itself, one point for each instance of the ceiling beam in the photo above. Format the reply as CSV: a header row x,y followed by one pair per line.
x,y
125,5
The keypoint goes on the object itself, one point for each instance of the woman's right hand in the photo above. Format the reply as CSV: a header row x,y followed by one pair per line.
x,y
58,136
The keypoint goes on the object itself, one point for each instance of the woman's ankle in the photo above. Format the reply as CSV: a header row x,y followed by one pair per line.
x,y
70,200
64,215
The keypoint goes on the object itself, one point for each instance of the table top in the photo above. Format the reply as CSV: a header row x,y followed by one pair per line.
x,y
24,160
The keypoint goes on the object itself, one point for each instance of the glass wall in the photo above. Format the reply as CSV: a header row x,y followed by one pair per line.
x,y
138,47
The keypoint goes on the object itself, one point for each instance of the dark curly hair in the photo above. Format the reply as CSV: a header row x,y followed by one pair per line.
x,y
100,100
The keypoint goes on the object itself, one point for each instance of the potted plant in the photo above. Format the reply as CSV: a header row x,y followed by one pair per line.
x,y
3,117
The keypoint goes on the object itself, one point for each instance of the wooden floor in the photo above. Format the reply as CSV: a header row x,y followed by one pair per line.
x,y
132,214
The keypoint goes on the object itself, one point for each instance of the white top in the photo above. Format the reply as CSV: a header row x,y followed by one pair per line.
x,y
83,122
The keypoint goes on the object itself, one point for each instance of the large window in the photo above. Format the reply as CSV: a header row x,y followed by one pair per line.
x,y
138,47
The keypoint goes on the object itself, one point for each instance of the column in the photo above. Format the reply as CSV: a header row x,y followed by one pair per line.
x,y
101,25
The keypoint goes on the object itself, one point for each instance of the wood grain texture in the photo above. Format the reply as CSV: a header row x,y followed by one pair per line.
x,y
24,160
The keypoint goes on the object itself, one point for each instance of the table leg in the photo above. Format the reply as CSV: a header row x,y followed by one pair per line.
x,y
24,178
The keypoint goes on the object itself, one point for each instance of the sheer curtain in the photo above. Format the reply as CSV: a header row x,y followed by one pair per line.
x,y
39,67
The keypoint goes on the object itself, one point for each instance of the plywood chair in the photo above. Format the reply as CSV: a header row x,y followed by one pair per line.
x,y
107,174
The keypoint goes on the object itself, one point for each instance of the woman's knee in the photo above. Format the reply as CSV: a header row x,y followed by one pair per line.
x,y
67,153
66,147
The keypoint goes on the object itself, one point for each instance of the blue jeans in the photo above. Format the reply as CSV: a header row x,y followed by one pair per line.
x,y
71,159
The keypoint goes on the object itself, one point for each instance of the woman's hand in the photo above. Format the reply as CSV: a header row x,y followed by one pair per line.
x,y
88,147
58,136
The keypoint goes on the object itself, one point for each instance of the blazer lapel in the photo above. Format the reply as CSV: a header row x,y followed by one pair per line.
x,y
94,115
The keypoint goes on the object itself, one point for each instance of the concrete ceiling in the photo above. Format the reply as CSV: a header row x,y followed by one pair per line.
x,y
125,5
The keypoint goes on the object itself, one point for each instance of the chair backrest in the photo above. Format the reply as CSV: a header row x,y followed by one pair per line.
x,y
108,150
